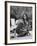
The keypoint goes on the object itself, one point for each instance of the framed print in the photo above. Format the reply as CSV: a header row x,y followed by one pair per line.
x,y
20,22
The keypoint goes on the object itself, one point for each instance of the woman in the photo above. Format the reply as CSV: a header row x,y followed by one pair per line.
x,y
22,26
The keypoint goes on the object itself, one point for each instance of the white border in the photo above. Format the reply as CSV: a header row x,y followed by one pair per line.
x,y
8,23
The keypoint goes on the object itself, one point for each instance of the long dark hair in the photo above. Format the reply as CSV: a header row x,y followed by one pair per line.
x,y
26,17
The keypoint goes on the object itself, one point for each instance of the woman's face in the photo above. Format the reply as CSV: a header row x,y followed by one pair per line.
x,y
24,16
